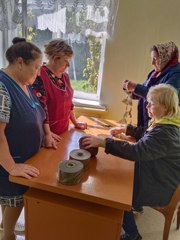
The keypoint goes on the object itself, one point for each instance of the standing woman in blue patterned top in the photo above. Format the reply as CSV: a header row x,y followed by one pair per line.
x,y
21,128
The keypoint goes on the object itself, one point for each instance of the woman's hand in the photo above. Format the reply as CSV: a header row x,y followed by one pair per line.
x,y
49,141
56,137
129,86
80,125
24,170
89,141
117,130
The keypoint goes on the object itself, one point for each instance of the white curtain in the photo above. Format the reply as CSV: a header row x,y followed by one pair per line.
x,y
74,18
79,18
9,14
53,21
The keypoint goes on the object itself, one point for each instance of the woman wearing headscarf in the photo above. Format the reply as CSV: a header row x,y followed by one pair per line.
x,y
166,70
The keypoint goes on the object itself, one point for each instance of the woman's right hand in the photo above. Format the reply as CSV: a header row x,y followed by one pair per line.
x,y
49,141
129,86
117,130
24,170
56,137
89,141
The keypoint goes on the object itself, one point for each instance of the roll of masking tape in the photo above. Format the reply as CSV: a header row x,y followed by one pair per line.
x,y
82,156
70,172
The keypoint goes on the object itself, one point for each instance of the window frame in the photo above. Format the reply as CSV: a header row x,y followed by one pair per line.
x,y
7,38
95,96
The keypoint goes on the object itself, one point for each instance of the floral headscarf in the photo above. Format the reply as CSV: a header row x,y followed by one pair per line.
x,y
168,54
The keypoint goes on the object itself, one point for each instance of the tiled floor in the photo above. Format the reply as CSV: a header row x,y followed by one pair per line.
x,y
150,225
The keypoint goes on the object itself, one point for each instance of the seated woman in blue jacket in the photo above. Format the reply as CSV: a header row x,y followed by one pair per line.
x,y
156,154
164,59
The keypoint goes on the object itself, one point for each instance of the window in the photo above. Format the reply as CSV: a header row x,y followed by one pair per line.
x,y
84,24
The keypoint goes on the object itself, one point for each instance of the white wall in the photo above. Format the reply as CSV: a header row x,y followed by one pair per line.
x,y
139,25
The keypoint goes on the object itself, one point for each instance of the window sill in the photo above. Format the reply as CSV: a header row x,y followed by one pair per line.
x,y
89,105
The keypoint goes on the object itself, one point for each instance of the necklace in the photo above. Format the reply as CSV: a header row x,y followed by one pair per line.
x,y
54,72
58,81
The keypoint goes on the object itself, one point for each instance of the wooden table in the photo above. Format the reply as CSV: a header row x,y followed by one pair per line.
x,y
90,210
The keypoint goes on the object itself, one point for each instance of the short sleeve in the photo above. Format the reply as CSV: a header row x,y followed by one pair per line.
x,y
5,104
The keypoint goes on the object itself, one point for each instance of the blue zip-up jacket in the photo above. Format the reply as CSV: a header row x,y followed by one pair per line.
x,y
170,75
157,162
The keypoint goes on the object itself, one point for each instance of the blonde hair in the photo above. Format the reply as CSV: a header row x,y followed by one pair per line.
x,y
167,96
58,47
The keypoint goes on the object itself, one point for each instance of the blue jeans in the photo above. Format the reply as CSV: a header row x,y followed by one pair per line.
x,y
129,224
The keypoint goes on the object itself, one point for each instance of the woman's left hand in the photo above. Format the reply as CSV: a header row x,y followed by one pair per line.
x,y
81,125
